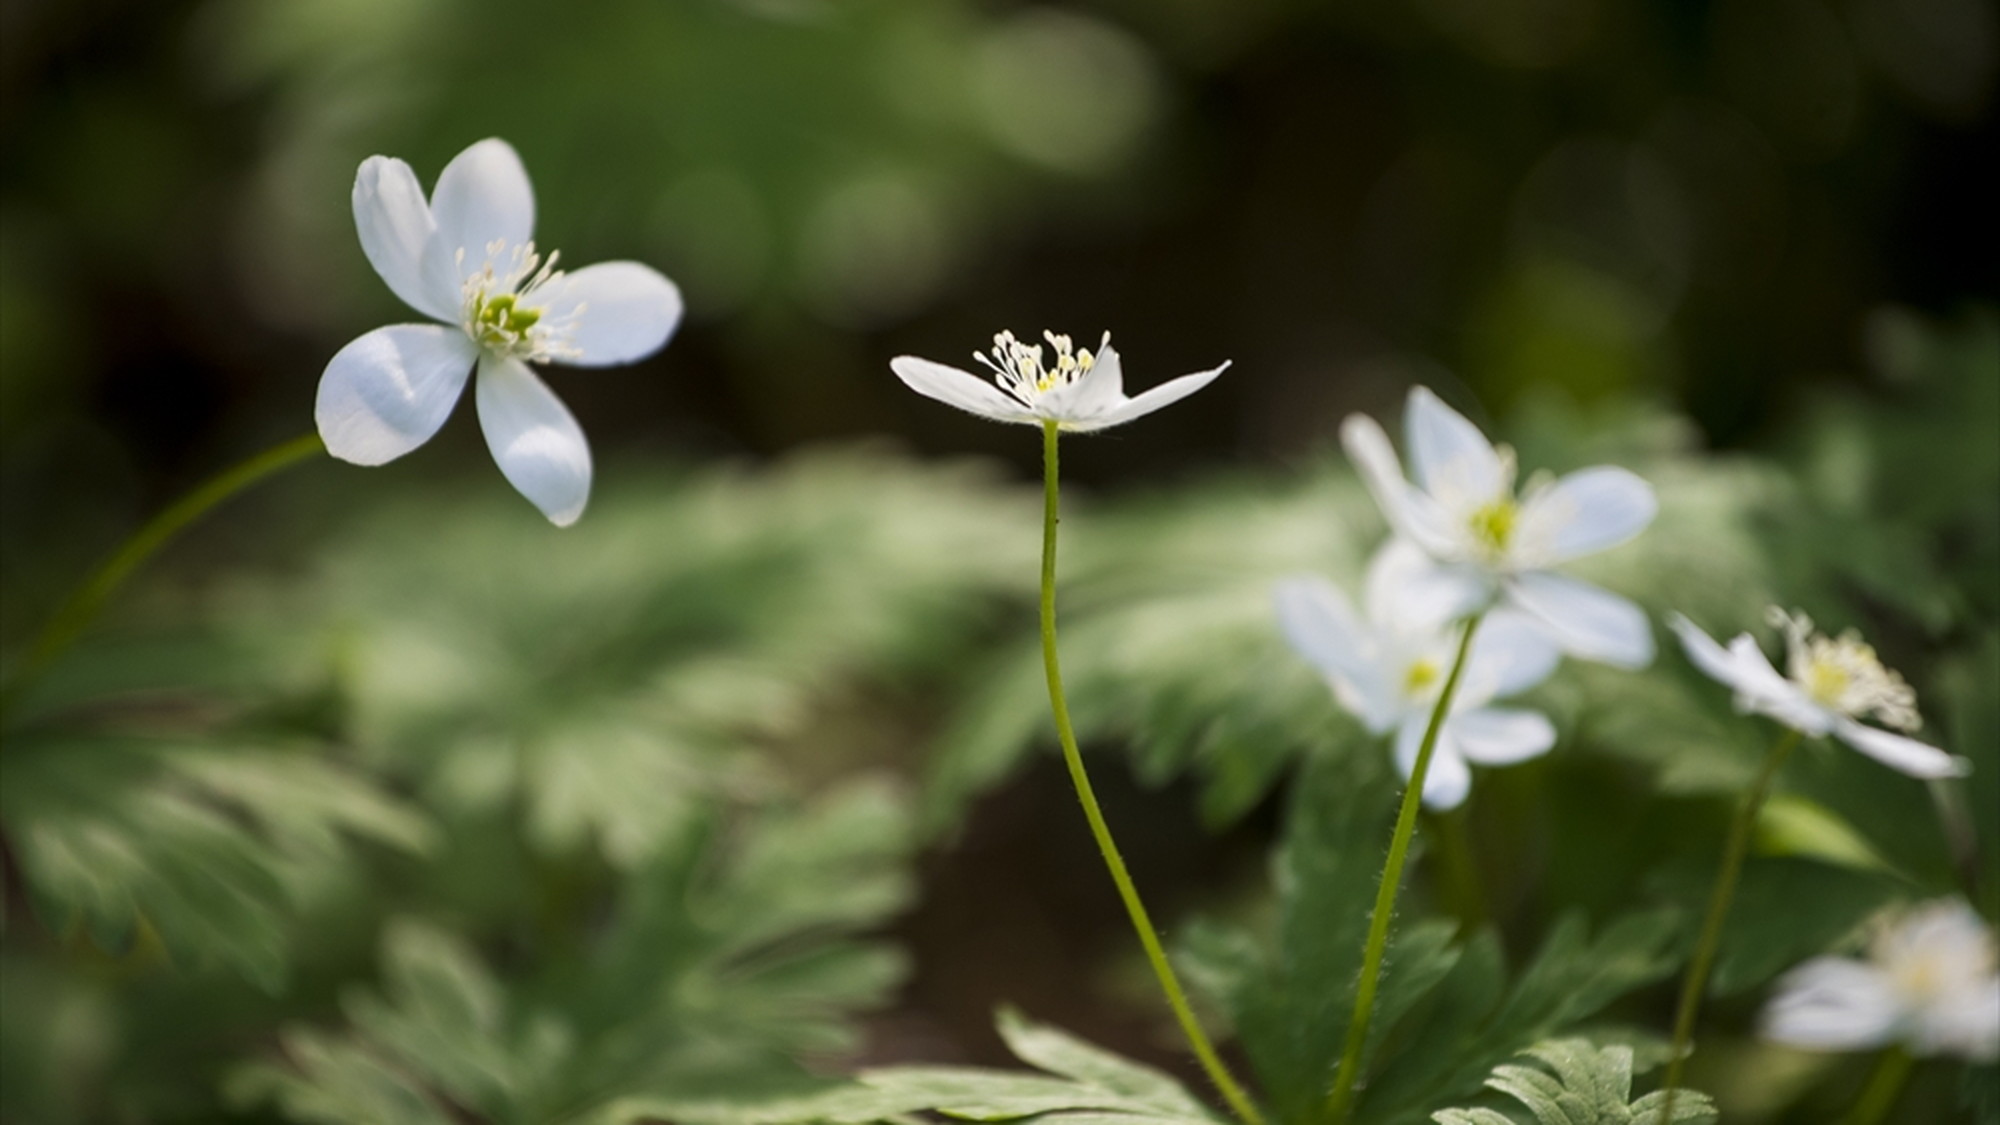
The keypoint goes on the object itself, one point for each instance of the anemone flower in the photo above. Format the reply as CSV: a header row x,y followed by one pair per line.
x,y
1829,686
1387,666
1463,511
1930,985
1075,389
466,259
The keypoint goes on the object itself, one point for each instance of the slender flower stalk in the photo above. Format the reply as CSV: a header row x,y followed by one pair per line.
x,y
1142,922
77,611
1891,1072
1718,909
1341,1101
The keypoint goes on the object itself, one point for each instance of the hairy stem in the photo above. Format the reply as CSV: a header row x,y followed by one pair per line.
x,y
1341,1102
77,611
1718,909
1218,1073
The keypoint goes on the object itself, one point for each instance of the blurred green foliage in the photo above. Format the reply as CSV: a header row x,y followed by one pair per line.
x,y
381,801
456,815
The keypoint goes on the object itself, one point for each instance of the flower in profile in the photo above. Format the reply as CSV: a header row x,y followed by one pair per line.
x,y
1075,389
1829,685
1387,666
1463,511
1930,984
466,258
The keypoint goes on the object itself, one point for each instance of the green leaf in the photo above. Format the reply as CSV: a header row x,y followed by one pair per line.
x,y
214,850
731,953
1579,1083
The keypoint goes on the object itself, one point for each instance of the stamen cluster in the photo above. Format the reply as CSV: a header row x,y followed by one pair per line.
x,y
499,308
1018,367
1844,674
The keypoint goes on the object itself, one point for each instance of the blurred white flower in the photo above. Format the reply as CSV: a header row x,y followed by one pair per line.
x,y
1077,390
1463,511
1930,984
1831,684
1388,665
466,258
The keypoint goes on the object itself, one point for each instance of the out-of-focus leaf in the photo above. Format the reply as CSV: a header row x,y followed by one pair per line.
x,y
210,849
734,952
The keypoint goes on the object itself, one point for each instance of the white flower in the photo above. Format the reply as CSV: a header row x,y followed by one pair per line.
x,y
1463,512
466,259
1930,984
1832,683
1388,667
1077,391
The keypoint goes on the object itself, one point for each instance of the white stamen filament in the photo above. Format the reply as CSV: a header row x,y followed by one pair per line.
x,y
1843,674
499,308
1018,369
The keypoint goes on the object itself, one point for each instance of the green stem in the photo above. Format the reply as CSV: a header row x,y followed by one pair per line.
x,y
82,606
1218,1073
1341,1101
1892,1070
1461,871
1718,909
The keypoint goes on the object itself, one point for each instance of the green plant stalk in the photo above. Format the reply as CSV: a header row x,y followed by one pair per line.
x,y
1718,909
1218,1072
1461,870
77,611
1892,1070
1341,1102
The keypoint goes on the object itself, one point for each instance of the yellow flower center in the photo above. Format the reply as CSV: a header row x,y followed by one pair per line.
x,y
1421,674
1493,525
1844,675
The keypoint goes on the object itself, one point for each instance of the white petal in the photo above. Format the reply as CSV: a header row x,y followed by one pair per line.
x,y
962,389
1501,736
1510,654
1166,394
1412,514
1832,1004
1585,512
1586,621
387,392
1449,779
395,225
619,311
1321,626
538,445
1905,755
1452,459
482,197
1094,395
1761,690
1965,1023
1409,593
1703,651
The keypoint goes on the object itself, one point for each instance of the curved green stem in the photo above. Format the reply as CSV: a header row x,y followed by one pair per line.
x,y
1218,1073
1718,909
1341,1101
1892,1070
82,606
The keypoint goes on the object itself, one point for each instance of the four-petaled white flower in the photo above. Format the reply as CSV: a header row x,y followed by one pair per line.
x,y
1077,391
1388,667
1831,684
1463,511
466,259
1930,984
